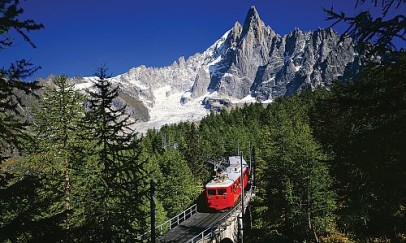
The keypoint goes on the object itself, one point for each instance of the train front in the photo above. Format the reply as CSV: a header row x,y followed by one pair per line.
x,y
223,191
219,194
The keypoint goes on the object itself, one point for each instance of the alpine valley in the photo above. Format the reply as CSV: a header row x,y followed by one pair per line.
x,y
249,63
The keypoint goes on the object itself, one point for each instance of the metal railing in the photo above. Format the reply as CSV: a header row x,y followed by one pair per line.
x,y
178,219
171,223
210,232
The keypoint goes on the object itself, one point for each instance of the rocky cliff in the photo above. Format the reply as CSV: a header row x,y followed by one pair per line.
x,y
249,61
258,62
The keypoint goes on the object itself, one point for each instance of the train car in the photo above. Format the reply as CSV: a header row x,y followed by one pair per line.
x,y
224,189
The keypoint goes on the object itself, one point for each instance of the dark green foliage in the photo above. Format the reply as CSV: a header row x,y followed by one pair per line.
x,y
120,186
362,124
56,132
366,132
10,12
184,149
176,188
45,184
295,199
363,28
325,162
12,118
16,191
193,153
12,126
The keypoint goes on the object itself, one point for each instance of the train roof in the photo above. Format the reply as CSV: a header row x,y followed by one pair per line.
x,y
230,174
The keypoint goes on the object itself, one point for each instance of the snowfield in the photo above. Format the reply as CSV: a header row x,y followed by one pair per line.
x,y
169,110
243,66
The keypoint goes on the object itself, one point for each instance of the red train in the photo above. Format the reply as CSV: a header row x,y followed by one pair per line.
x,y
224,189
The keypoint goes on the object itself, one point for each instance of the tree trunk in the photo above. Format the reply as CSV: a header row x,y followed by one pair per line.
x,y
67,192
309,221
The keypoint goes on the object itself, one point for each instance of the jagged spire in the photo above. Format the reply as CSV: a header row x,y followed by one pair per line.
x,y
236,30
252,19
252,12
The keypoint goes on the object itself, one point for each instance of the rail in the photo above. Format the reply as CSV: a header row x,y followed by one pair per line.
x,y
171,223
210,232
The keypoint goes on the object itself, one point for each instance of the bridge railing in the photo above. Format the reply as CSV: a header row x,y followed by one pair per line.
x,y
175,221
171,223
210,232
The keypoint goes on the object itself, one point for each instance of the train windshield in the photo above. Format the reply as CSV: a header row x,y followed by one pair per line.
x,y
211,192
222,191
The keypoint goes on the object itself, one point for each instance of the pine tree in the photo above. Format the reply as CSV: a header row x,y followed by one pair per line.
x,y
364,127
56,129
381,30
52,168
293,179
194,155
120,185
177,188
12,89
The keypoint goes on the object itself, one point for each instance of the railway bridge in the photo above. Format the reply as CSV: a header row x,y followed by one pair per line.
x,y
192,226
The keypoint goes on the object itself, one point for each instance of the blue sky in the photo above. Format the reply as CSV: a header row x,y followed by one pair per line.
x,y
81,35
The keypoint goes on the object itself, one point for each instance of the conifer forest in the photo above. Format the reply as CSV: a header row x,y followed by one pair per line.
x,y
330,164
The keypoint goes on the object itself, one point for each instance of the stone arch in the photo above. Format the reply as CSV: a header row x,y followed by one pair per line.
x,y
248,218
226,240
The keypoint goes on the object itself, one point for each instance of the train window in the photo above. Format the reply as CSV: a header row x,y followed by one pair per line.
x,y
211,192
222,192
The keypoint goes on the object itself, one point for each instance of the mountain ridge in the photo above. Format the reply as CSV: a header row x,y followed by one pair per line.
x,y
249,62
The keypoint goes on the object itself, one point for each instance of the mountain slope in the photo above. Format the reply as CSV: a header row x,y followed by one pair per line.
x,y
249,62
260,63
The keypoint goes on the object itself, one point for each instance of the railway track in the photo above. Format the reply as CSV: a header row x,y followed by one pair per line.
x,y
191,227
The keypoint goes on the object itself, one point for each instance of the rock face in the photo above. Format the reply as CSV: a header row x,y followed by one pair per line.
x,y
248,60
216,104
258,62
201,83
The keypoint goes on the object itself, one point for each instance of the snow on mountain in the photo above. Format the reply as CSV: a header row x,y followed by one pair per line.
x,y
249,63
169,110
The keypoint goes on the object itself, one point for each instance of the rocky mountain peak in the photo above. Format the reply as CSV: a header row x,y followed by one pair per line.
x,y
249,62
252,17
252,21
181,63
236,30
